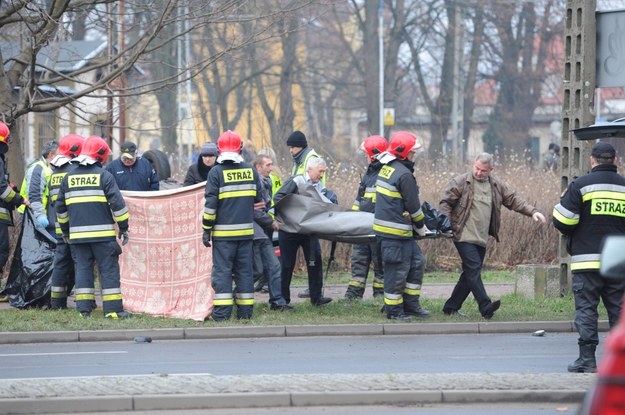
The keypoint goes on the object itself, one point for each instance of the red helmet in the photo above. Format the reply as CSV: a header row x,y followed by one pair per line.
x,y
373,145
4,137
71,145
229,142
402,143
96,148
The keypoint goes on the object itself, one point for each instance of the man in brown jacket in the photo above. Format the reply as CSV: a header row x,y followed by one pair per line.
x,y
472,202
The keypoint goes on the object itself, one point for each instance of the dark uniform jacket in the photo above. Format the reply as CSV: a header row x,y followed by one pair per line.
x,y
592,207
58,173
89,204
365,199
139,177
231,191
9,198
458,198
397,192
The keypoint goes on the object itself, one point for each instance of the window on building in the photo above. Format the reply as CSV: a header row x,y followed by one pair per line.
x,y
46,130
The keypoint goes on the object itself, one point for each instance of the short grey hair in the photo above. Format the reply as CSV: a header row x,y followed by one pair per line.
x,y
315,162
49,147
485,158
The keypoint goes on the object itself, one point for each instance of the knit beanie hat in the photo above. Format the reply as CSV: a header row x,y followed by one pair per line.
x,y
297,139
208,149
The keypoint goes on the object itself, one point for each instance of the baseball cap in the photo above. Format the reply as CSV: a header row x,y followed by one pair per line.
x,y
603,150
129,149
209,149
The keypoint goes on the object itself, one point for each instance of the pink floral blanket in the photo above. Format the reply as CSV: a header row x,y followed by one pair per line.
x,y
165,269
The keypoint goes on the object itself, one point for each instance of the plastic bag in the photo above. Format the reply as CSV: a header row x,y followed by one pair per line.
x,y
438,223
28,284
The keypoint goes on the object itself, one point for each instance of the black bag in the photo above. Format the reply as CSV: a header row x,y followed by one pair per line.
x,y
435,220
28,284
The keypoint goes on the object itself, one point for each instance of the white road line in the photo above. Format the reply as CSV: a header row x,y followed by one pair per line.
x,y
60,353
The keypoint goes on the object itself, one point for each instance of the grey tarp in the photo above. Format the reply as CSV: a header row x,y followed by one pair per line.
x,y
310,213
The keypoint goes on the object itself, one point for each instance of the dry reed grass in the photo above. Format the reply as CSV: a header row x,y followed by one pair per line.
x,y
521,239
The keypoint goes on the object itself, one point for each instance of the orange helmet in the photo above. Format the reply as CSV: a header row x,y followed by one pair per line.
x,y
4,137
71,145
373,145
229,142
402,143
96,148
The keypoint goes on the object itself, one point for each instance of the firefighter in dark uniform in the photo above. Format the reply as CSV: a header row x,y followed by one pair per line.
x,y
592,207
62,279
9,200
232,188
364,254
397,192
88,208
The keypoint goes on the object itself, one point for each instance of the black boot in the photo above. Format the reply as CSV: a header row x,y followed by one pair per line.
x,y
396,312
413,308
586,362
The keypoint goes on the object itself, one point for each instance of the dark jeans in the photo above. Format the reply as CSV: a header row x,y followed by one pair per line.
x,y
289,244
588,288
470,281
269,264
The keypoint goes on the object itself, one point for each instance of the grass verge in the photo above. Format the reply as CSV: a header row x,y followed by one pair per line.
x,y
514,308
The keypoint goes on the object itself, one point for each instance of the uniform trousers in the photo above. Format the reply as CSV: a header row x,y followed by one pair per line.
x,y
403,264
106,255
588,288
63,276
232,262
362,257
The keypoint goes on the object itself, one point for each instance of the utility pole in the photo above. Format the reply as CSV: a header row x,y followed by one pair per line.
x,y
580,41
457,104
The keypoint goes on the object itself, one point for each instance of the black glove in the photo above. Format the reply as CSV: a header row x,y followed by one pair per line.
x,y
124,237
206,239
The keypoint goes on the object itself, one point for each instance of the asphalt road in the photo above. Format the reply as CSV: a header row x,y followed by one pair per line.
x,y
497,353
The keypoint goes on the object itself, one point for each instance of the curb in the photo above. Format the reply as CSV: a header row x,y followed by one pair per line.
x,y
292,331
281,399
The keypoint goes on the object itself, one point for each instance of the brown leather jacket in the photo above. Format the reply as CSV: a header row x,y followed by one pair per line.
x,y
458,197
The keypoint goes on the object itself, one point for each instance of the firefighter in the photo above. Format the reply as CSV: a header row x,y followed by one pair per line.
x,y
592,208
9,200
397,192
62,279
232,188
88,207
35,187
364,254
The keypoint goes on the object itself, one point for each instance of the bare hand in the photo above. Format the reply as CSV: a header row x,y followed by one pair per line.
x,y
26,202
259,205
275,225
537,216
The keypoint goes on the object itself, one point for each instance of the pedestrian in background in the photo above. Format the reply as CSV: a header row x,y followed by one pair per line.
x,y
132,172
365,254
63,272
198,171
472,202
592,208
397,192
89,208
232,189
35,187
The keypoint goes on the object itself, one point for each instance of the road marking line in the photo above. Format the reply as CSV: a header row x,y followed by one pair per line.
x,y
59,353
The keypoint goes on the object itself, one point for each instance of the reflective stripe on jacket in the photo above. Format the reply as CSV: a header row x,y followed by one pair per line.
x,y
231,191
592,207
396,192
89,204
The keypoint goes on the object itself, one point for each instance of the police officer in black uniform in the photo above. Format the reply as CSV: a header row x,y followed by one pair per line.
x,y
232,188
88,208
591,208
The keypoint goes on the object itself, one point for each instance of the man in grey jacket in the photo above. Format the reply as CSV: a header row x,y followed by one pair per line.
x,y
472,202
